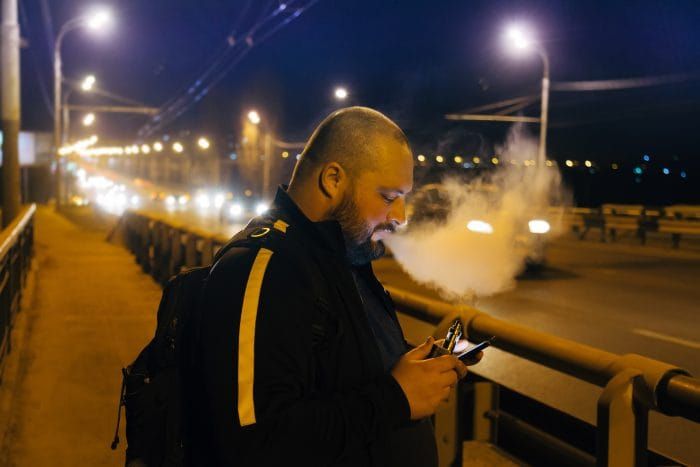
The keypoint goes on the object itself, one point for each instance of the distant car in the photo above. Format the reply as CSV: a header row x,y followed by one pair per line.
x,y
432,204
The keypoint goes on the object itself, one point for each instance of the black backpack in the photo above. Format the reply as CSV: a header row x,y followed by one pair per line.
x,y
158,384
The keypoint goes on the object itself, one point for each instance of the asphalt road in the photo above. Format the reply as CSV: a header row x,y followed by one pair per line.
x,y
623,298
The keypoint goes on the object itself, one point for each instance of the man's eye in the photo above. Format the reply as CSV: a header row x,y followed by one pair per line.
x,y
388,199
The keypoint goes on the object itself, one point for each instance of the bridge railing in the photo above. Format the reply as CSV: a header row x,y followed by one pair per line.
x,y
16,251
633,384
676,221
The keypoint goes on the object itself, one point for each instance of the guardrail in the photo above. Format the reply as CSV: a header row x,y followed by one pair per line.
x,y
633,384
16,251
611,219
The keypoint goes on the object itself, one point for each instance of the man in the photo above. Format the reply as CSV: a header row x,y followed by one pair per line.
x,y
303,359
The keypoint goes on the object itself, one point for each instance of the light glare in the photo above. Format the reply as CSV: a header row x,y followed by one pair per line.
x,y
480,227
539,226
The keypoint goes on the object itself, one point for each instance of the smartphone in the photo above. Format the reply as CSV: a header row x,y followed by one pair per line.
x,y
473,351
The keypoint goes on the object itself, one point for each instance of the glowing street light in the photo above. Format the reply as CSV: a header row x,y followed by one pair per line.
x,y
95,21
99,19
157,146
341,93
178,147
254,117
519,39
203,143
88,83
89,119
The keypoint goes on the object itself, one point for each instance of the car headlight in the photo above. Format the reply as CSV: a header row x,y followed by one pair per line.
x,y
236,210
480,227
261,209
538,226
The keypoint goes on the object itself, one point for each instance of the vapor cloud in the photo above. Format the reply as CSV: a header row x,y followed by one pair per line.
x,y
460,263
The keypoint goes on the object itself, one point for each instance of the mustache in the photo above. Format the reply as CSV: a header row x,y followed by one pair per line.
x,y
387,227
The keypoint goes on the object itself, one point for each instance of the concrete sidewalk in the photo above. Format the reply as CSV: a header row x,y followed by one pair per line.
x,y
87,312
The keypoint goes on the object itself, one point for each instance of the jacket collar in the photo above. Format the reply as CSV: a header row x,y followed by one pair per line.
x,y
327,234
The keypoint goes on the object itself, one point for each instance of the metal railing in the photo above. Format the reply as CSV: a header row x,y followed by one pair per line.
x,y
633,384
16,251
611,219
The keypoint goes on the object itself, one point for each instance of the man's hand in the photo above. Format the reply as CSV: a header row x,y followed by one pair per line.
x,y
426,383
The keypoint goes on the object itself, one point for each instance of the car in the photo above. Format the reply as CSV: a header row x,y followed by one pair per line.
x,y
433,204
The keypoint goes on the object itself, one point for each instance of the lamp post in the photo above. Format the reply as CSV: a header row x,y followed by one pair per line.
x,y
519,40
93,21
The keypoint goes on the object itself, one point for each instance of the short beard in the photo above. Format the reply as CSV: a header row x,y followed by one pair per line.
x,y
359,246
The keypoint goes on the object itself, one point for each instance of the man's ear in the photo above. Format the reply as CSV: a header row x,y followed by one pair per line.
x,y
332,179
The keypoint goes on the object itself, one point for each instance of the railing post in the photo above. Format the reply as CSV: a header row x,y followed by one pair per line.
x,y
484,424
446,430
622,422
175,251
191,251
207,251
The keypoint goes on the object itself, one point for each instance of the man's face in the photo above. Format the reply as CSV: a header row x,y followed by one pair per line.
x,y
374,204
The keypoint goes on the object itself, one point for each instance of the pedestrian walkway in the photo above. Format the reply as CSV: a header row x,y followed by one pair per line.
x,y
87,311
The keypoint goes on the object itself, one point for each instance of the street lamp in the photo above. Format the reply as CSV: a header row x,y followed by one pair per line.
x,y
520,40
203,143
89,119
95,21
88,83
254,117
340,93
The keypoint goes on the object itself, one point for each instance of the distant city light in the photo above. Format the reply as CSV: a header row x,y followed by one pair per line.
x,y
89,119
177,147
569,163
157,146
254,117
285,154
646,158
683,174
458,159
421,158
145,148
233,156
494,160
666,171
182,200
638,170
476,160
341,93
588,164
170,200
439,159
203,143
549,163
614,166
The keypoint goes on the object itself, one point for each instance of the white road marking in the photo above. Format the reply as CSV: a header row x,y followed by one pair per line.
x,y
667,338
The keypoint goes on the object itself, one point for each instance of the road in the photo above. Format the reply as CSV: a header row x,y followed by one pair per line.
x,y
622,298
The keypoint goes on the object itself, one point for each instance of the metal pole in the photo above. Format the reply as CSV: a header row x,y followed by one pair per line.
x,y
10,82
57,116
267,162
57,81
542,153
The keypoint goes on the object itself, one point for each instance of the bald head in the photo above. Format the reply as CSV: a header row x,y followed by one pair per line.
x,y
357,138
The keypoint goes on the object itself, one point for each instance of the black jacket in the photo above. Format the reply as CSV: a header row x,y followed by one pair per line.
x,y
291,371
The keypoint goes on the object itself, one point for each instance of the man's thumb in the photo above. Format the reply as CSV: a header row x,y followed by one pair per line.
x,y
423,350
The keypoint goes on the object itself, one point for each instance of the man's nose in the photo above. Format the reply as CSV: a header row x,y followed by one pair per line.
x,y
397,214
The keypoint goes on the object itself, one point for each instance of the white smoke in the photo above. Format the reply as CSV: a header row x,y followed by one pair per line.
x,y
460,263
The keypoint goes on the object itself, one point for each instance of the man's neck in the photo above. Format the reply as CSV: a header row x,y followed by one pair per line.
x,y
308,203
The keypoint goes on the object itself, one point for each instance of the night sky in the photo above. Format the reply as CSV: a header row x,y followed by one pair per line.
x,y
414,60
